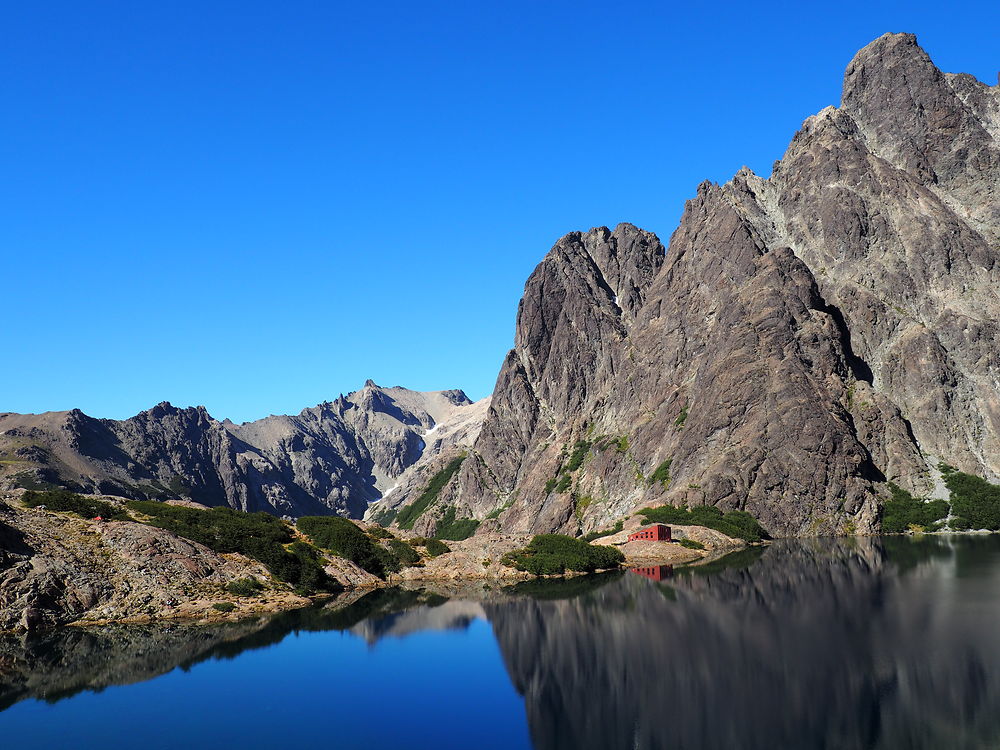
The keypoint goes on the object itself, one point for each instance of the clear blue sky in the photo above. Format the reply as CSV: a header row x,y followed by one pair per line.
x,y
256,206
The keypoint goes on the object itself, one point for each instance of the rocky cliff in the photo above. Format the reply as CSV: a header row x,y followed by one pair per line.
x,y
803,339
336,457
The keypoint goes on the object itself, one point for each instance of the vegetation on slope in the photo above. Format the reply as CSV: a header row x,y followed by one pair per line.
x,y
903,512
259,536
975,503
345,539
554,554
83,506
409,514
735,523
455,529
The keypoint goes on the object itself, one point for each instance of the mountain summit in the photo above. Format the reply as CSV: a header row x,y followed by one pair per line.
x,y
802,341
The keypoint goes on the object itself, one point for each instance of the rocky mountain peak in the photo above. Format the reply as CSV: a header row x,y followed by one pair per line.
x,y
804,339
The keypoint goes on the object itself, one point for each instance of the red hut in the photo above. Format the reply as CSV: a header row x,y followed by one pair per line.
x,y
655,533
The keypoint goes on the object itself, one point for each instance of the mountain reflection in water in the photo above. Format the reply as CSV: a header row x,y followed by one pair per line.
x,y
869,643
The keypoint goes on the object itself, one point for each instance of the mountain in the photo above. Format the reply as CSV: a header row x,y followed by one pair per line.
x,y
802,341
336,457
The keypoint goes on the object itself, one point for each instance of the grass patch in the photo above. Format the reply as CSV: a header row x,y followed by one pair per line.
x,y
224,606
408,515
681,418
735,523
70,502
455,529
554,554
903,512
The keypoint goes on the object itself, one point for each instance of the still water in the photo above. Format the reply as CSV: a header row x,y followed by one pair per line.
x,y
889,643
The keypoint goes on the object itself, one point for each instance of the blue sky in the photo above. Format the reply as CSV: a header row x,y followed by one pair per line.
x,y
256,206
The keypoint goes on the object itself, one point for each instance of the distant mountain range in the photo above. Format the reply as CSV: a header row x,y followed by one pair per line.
x,y
803,340
336,457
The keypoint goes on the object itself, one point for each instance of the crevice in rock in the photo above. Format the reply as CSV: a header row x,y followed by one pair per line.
x,y
859,368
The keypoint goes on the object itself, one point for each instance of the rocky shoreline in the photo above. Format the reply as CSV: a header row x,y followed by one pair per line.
x,y
57,569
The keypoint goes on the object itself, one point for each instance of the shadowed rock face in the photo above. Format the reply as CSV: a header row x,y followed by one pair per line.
x,y
803,339
336,457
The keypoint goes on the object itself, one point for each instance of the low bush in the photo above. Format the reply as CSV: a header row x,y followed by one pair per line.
x,y
408,515
903,512
259,536
455,529
404,553
433,547
578,455
661,474
245,587
70,502
554,554
377,532
735,523
224,606
973,499
345,539
598,534
690,543
564,483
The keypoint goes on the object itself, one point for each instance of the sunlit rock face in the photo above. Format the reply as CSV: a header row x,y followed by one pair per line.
x,y
850,646
802,339
336,457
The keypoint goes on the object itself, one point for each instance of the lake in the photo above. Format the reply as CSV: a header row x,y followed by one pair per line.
x,y
859,643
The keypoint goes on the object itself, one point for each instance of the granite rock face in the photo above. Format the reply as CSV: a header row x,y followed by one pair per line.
x,y
804,338
336,457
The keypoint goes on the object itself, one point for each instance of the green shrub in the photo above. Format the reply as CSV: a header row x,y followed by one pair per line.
x,y
224,606
259,536
70,502
403,552
564,483
622,444
377,532
408,515
433,547
974,499
554,554
455,529
345,539
578,455
550,485
735,523
903,511
661,474
245,587
385,517
690,543
598,534
682,417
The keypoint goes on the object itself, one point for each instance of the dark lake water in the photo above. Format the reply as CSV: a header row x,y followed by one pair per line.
x,y
890,643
